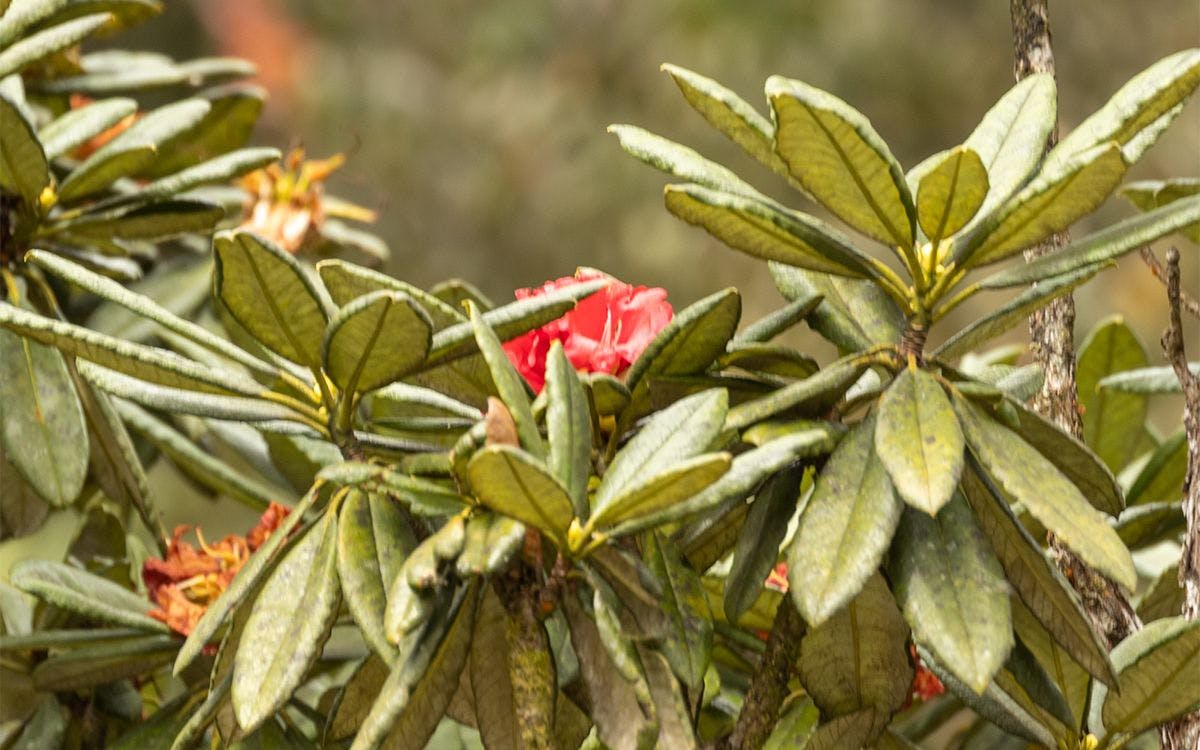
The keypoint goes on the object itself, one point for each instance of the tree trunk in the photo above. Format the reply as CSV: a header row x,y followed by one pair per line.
x,y
1051,332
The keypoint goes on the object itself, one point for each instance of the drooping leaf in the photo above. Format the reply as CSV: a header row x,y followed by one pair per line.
x,y
1036,579
289,623
918,440
42,429
1138,106
1071,681
950,194
375,340
766,230
487,679
513,483
373,540
88,594
509,384
1165,597
133,149
689,622
23,166
271,295
1056,197
1103,246
952,591
851,730
46,42
854,314
1011,137
1159,669
569,428
1049,496
845,528
1162,478
80,125
758,541
858,658
833,151
1112,421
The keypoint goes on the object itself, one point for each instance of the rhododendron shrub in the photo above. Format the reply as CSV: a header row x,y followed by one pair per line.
x,y
587,517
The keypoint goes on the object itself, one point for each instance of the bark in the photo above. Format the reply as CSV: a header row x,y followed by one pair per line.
x,y
1184,733
531,667
1051,332
769,686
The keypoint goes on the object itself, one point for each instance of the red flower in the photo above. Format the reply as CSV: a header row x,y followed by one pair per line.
x,y
189,579
926,684
605,332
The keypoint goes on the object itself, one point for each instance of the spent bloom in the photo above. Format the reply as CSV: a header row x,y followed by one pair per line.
x,y
188,579
604,333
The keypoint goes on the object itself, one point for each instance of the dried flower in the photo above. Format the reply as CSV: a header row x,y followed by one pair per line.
x,y
189,579
605,332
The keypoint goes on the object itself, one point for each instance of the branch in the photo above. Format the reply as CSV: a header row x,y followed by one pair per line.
x,y
1186,303
769,686
1184,733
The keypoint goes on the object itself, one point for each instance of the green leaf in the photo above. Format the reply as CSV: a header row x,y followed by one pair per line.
x,y
244,582
144,307
1102,247
19,15
854,314
133,149
1049,496
486,677
227,125
952,591
375,340
569,428
90,667
851,730
1013,312
684,430
1036,579
768,231
203,467
1165,597
513,483
289,623
746,472
42,429
695,337
509,384
346,282
833,151
1011,137
373,540
1147,380
766,358
420,689
46,42
422,496
845,528
1112,421
1151,194
730,114
1071,681
490,543
662,490
680,161
215,171
1057,196
810,396
1138,106
950,194
77,126
155,222
509,321
271,295
918,440
23,167
689,621
22,510
859,657
1162,478
1159,667
1077,463
767,328
758,542
88,594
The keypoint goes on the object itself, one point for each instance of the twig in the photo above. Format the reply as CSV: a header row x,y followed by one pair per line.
x,y
1186,303
769,686
1184,733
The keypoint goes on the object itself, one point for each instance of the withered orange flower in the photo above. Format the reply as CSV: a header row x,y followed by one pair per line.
x,y
287,203
91,146
189,578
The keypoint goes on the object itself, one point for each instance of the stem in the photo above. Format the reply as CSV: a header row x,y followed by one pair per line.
x,y
1051,333
530,664
963,295
769,686
1184,733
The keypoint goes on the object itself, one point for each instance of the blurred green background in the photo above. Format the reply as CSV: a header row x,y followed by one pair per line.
x,y
477,128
